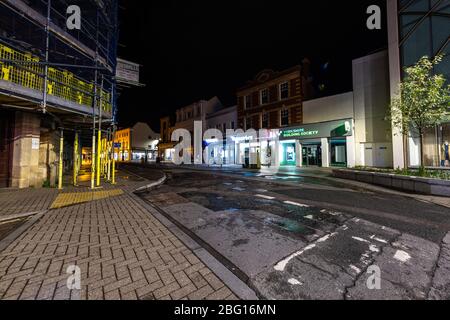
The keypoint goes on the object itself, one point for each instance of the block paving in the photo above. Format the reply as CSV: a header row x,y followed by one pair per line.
x,y
121,249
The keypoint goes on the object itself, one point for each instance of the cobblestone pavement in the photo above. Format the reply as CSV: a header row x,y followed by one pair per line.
x,y
25,200
122,250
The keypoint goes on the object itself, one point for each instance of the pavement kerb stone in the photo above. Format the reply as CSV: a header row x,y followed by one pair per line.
x,y
152,185
10,238
18,216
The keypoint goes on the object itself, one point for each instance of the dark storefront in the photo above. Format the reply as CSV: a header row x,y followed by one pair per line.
x,y
6,125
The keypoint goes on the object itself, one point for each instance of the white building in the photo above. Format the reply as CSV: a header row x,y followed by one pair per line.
x,y
144,142
223,120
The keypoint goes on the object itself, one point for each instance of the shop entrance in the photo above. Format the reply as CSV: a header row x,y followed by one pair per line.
x,y
288,154
312,155
6,126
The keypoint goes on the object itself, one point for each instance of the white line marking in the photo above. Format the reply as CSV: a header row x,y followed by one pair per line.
x,y
378,239
402,256
296,204
294,282
264,197
361,239
356,269
282,264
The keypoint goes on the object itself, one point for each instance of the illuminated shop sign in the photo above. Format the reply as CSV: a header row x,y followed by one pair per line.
x,y
299,133
339,128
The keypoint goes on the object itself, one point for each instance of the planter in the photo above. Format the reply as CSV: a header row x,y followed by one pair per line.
x,y
428,186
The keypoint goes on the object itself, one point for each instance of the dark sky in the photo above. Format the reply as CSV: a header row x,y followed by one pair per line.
x,y
195,49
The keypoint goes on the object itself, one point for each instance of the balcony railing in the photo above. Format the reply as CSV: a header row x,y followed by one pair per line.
x,y
23,69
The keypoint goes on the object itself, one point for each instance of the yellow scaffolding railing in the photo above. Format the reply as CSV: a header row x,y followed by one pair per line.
x,y
61,83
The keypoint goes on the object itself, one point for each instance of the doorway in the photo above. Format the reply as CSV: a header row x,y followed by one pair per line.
x,y
288,154
312,155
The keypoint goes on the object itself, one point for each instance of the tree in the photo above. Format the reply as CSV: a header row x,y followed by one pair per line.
x,y
423,100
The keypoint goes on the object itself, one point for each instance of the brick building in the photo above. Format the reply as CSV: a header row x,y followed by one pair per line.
x,y
273,99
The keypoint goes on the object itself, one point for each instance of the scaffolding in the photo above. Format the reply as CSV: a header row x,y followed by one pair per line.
x,y
39,54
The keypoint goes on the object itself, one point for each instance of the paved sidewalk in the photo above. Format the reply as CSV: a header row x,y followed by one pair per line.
x,y
122,250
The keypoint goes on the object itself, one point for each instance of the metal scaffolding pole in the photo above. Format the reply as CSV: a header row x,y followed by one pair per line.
x,y
60,167
94,101
47,45
75,159
108,156
113,169
99,138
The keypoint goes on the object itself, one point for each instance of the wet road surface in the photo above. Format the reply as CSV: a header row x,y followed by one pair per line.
x,y
292,240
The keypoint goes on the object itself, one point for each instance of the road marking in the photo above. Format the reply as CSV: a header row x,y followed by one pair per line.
x,y
378,239
356,269
310,217
265,197
361,239
294,282
280,266
297,204
402,256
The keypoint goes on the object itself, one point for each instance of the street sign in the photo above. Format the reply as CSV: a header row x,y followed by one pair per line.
x,y
127,71
117,145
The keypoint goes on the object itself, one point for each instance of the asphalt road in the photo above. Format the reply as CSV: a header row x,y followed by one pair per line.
x,y
311,238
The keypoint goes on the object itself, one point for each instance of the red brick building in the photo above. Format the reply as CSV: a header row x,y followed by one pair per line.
x,y
272,99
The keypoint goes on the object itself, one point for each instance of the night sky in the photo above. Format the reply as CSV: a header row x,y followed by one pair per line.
x,y
192,50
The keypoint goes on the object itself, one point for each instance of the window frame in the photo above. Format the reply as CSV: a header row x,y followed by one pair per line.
x,y
261,96
281,117
281,91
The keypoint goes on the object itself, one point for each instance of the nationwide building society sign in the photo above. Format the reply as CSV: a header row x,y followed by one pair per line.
x,y
338,128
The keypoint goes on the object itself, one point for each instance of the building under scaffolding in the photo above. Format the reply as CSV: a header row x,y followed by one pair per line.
x,y
57,90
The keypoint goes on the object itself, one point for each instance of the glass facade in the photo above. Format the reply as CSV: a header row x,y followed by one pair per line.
x,y
424,30
424,27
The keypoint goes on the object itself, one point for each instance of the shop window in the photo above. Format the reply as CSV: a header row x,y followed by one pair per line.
x,y
338,150
444,147
285,117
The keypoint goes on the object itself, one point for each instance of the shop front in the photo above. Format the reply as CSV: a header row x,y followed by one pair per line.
x,y
321,144
436,147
